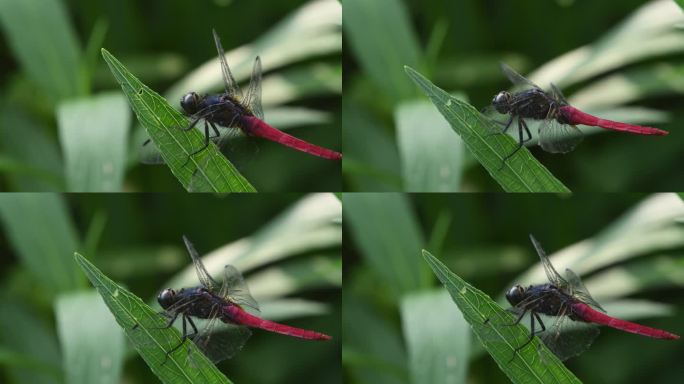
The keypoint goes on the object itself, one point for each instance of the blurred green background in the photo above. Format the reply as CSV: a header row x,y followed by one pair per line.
x,y
620,60
65,125
287,246
400,325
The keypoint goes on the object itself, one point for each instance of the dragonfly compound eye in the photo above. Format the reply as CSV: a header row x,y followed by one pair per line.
x,y
501,102
190,102
515,295
166,298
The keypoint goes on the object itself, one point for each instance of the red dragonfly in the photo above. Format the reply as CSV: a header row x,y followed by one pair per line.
x,y
558,132
228,302
567,299
232,109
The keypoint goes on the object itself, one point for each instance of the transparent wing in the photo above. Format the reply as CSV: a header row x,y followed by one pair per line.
x,y
235,290
253,96
554,277
567,338
220,341
202,274
229,82
148,153
579,291
558,95
555,137
515,77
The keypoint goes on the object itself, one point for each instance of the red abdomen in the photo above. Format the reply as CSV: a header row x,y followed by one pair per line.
x,y
255,127
574,116
240,316
591,315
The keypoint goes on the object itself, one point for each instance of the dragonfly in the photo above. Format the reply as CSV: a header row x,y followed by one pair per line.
x,y
558,132
233,110
577,313
228,309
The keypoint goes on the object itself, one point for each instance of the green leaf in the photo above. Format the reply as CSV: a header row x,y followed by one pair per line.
x,y
381,36
386,230
680,3
82,318
437,338
94,137
40,229
42,39
532,364
432,155
149,340
520,173
207,171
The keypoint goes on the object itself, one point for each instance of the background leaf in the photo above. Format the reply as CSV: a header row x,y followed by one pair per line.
x,y
42,252
94,137
85,361
432,155
438,345
52,63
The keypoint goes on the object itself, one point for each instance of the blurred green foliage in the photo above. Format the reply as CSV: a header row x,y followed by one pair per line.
x,y
54,327
400,325
620,60
51,66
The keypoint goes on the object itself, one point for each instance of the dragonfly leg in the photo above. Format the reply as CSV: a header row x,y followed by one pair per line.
x,y
216,131
522,127
533,315
516,322
207,138
172,319
541,323
192,124
183,338
505,125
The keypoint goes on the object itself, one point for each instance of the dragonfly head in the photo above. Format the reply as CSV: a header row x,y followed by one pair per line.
x,y
167,298
190,103
515,295
501,102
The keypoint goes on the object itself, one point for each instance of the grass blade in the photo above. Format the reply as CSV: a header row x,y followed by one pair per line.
x,y
81,318
386,230
163,124
43,235
432,155
521,173
533,364
40,34
129,310
94,137
372,29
